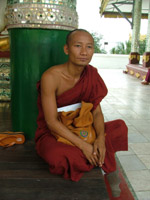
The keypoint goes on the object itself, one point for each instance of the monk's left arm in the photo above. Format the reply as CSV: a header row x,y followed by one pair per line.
x,y
99,144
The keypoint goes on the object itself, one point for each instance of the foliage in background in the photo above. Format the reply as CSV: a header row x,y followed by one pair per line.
x,y
125,48
142,46
98,44
122,48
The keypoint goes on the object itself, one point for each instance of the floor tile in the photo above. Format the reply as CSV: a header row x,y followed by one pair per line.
x,y
132,129
140,180
136,138
131,162
146,135
141,125
125,153
144,195
145,159
129,114
141,148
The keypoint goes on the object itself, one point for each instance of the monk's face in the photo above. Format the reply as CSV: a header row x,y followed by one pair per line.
x,y
80,48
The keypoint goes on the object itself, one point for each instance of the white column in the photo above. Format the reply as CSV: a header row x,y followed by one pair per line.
x,y
136,26
148,32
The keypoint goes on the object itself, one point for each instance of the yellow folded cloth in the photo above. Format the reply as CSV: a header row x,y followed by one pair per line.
x,y
79,122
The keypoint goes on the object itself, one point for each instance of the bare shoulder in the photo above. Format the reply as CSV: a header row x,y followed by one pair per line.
x,y
53,72
51,77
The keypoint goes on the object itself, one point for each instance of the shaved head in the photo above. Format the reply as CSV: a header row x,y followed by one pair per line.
x,y
71,33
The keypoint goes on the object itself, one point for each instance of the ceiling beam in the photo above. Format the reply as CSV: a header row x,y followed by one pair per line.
x,y
121,13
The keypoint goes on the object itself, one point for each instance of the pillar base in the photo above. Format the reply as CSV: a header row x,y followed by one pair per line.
x,y
134,58
146,59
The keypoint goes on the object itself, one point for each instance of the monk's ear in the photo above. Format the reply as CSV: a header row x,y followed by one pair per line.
x,y
66,50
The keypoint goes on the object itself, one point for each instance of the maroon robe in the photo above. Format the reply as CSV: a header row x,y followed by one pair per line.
x,y
148,76
68,160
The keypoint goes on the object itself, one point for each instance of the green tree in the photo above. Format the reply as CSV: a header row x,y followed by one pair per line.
x,y
97,43
125,48
128,47
113,50
122,48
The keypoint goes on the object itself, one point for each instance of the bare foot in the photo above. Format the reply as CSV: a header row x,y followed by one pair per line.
x,y
144,82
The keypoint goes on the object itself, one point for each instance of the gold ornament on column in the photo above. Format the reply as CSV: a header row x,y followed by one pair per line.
x,y
46,14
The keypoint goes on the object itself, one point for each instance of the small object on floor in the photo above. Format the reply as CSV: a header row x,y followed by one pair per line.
x,y
8,139
103,172
125,72
144,82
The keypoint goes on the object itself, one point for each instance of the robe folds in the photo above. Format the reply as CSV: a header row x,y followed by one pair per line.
x,y
68,160
148,76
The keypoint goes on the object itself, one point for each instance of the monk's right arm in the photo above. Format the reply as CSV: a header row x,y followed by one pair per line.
x,y
48,97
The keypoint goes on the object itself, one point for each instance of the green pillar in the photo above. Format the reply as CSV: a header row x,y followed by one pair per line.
x,y
37,36
32,52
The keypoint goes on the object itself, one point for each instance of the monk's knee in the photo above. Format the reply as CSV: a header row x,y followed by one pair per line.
x,y
122,125
115,125
56,160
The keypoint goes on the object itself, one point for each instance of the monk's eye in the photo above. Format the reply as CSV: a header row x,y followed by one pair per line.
x,y
77,45
90,47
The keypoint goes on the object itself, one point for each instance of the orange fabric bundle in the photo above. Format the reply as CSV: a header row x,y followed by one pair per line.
x,y
78,122
8,139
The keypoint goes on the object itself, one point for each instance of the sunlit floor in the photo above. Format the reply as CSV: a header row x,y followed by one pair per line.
x,y
129,100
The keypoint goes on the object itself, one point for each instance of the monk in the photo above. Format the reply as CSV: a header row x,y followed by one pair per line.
x,y
70,83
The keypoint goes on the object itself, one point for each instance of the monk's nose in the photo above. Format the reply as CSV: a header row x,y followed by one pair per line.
x,y
83,51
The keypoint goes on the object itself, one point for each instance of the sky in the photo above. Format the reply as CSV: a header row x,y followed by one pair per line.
x,y
113,30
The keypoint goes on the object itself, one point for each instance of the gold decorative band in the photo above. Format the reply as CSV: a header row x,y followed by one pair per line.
x,y
131,57
49,16
4,44
146,58
137,75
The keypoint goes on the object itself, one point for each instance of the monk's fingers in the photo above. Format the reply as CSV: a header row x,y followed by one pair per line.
x,y
90,161
95,150
93,161
96,156
101,159
101,162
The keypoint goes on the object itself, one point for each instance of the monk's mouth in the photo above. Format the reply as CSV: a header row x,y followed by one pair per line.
x,y
83,59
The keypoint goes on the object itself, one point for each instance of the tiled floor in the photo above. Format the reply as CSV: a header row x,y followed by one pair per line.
x,y
129,100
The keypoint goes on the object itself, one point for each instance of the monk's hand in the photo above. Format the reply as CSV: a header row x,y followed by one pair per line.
x,y
87,150
99,149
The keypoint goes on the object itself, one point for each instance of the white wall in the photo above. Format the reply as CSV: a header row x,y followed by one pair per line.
x,y
110,61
